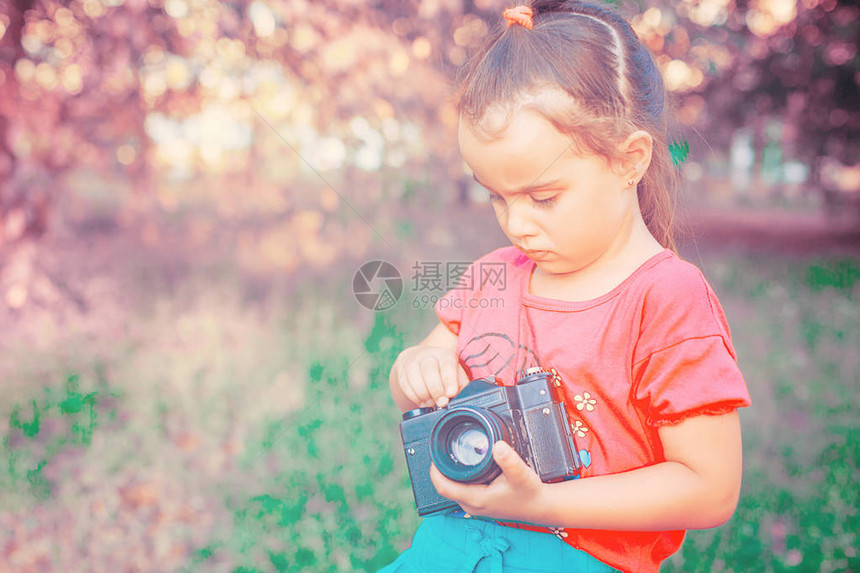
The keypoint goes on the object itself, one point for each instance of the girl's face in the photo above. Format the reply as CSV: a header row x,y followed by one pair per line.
x,y
562,209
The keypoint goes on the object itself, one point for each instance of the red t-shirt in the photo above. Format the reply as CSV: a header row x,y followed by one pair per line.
x,y
654,350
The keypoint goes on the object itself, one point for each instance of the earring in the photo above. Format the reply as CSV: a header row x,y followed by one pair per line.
x,y
630,182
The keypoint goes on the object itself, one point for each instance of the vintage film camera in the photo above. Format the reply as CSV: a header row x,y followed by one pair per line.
x,y
458,438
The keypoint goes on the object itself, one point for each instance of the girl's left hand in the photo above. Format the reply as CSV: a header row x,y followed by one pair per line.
x,y
513,495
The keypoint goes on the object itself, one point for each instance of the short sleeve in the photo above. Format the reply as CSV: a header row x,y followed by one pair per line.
x,y
692,377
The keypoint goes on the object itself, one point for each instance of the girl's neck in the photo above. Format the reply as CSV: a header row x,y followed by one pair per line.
x,y
620,260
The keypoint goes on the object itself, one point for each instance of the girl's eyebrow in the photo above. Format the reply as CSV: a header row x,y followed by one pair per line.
x,y
528,189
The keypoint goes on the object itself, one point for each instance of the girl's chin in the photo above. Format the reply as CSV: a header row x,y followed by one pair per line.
x,y
549,266
555,266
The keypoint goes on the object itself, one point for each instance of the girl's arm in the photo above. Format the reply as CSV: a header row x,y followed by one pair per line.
x,y
429,373
695,488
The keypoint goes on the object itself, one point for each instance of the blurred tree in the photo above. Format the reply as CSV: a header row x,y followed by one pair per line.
x,y
71,97
85,84
737,63
804,72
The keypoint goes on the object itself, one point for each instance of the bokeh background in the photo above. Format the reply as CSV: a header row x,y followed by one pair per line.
x,y
187,188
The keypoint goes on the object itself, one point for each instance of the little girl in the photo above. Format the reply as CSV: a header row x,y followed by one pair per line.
x,y
562,120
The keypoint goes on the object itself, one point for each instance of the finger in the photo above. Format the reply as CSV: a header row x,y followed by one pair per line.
x,y
433,380
415,383
440,482
450,376
409,393
461,493
403,382
462,378
512,465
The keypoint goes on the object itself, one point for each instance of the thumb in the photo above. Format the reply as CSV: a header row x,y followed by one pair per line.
x,y
511,464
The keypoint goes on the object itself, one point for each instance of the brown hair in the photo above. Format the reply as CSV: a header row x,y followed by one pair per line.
x,y
612,81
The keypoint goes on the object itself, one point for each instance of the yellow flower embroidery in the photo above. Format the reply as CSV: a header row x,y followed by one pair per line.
x,y
579,429
585,402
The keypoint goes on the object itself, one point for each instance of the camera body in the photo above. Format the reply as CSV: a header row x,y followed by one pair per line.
x,y
458,438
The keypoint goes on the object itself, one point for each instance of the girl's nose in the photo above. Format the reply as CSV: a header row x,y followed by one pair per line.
x,y
516,221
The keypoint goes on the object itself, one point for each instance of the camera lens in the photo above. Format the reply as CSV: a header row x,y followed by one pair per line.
x,y
469,445
461,441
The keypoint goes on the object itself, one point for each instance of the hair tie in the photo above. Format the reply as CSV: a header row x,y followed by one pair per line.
x,y
521,15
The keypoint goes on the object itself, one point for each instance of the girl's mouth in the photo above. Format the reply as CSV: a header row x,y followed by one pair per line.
x,y
536,254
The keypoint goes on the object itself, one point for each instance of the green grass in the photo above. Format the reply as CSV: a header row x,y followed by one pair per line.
x,y
62,418
334,501
236,438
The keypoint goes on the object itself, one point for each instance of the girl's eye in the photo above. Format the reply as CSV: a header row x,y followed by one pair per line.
x,y
544,202
540,203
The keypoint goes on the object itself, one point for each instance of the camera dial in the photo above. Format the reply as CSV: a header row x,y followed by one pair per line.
x,y
416,412
538,373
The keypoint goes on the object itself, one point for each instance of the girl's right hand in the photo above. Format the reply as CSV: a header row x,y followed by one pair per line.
x,y
428,375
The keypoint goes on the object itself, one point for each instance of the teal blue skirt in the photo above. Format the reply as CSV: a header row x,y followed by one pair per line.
x,y
444,544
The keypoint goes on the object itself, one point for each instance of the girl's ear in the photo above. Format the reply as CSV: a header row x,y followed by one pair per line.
x,y
635,152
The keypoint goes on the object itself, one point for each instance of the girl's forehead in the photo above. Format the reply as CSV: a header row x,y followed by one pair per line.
x,y
525,150
502,127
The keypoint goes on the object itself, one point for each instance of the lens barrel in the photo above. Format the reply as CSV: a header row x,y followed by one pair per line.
x,y
461,444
